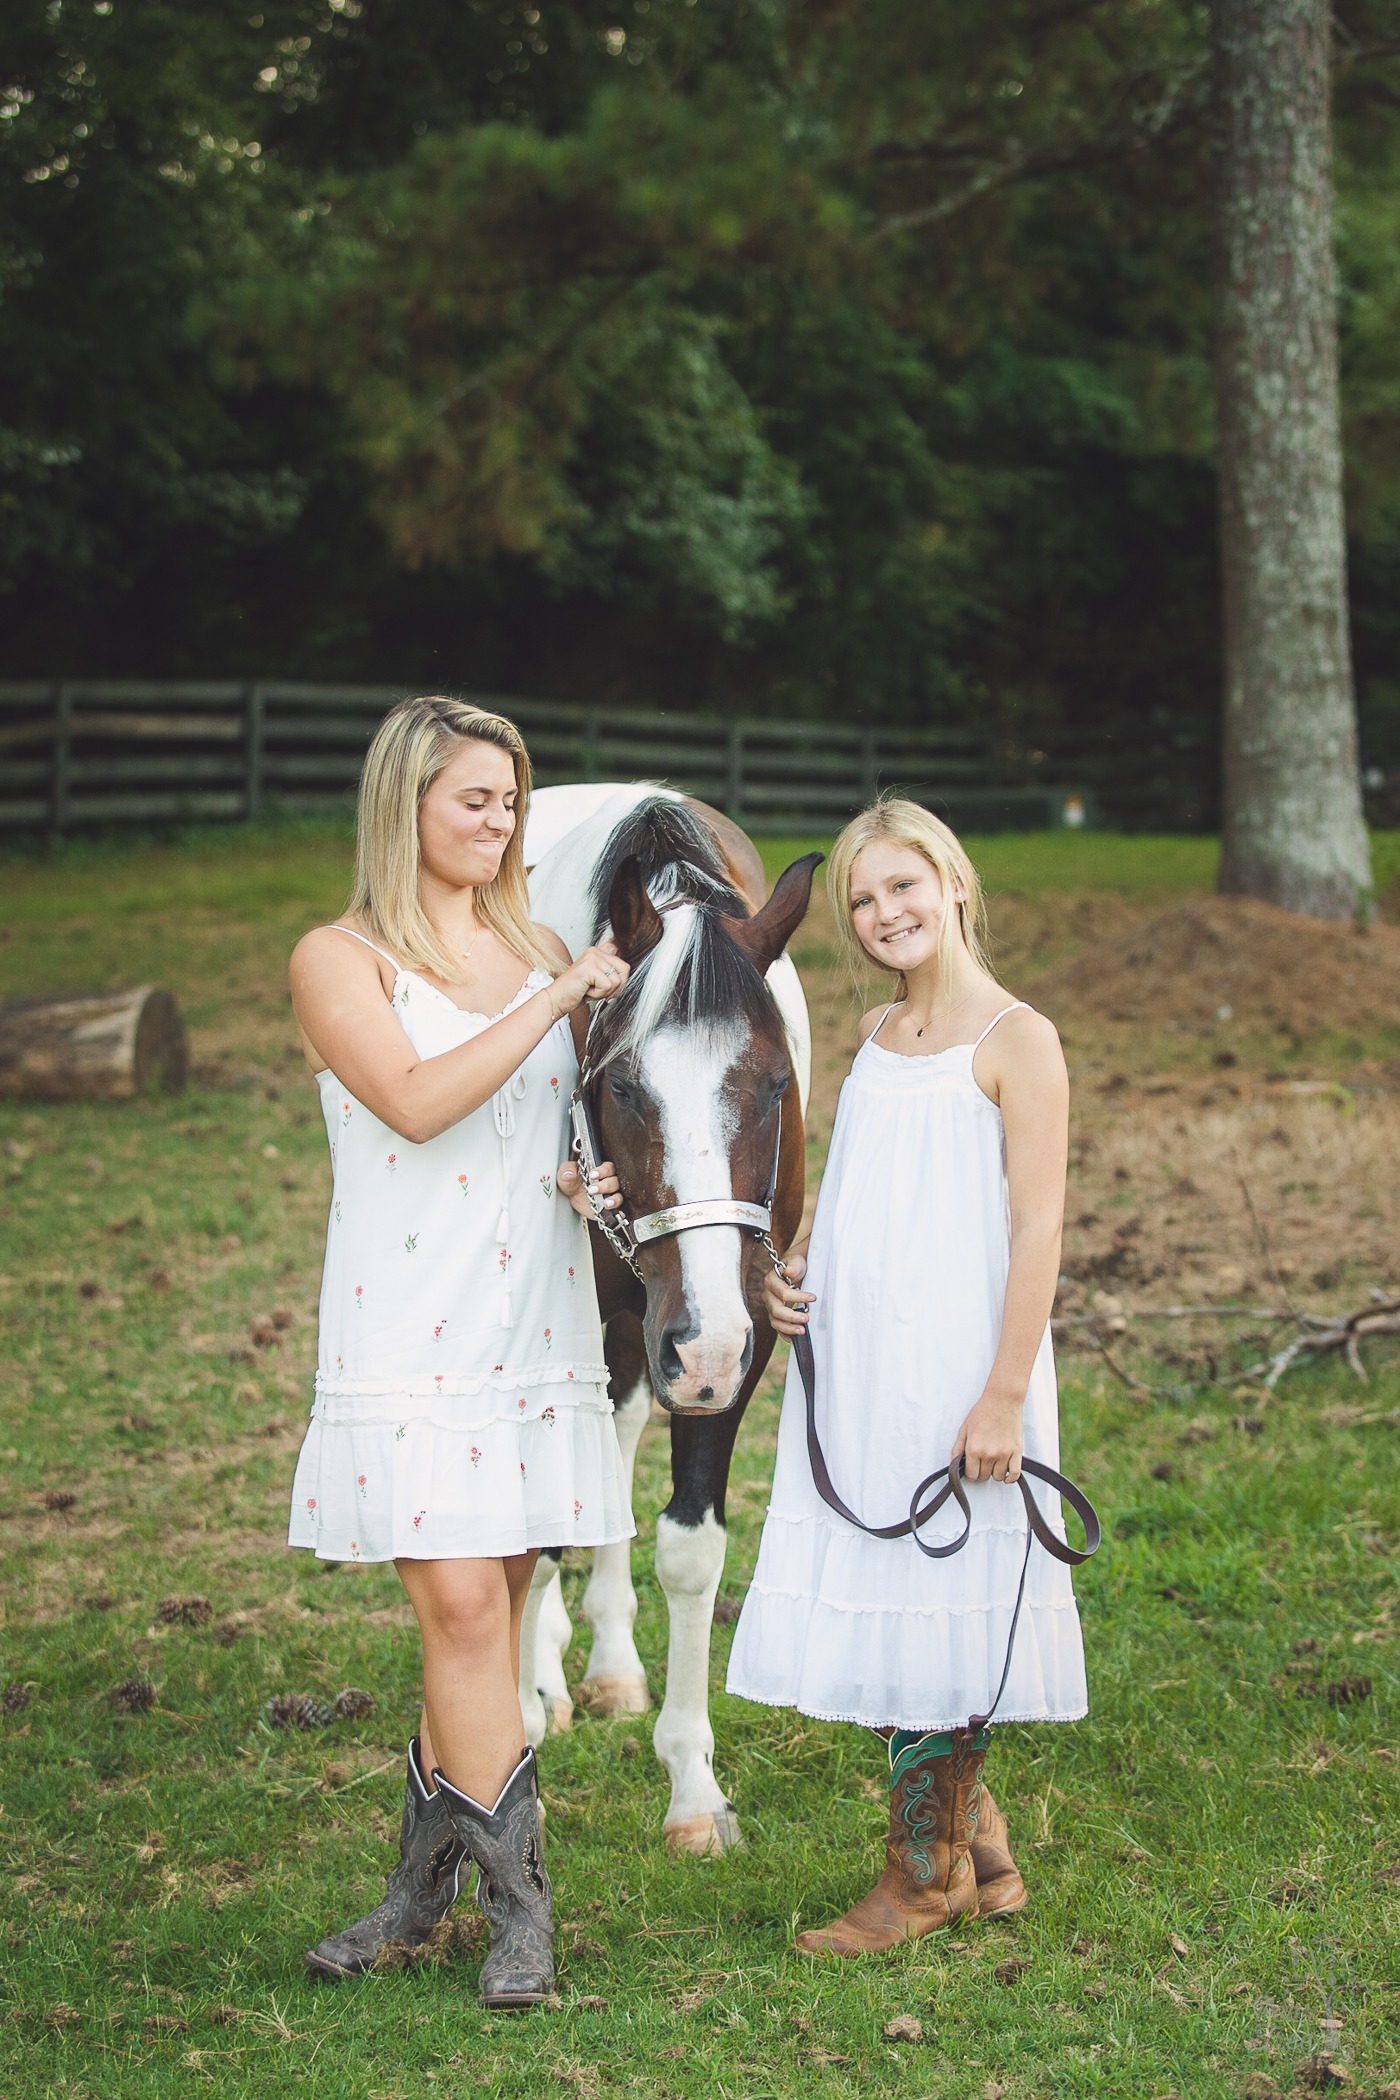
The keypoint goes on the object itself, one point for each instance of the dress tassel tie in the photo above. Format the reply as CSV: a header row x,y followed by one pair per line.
x,y
503,1107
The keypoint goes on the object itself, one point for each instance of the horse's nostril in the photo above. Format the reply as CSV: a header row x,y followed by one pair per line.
x,y
668,1360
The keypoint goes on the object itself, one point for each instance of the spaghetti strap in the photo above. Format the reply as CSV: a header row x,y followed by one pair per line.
x,y
396,967
882,1020
1016,1006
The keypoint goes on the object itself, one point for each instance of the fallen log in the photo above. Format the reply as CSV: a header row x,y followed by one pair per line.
x,y
106,1046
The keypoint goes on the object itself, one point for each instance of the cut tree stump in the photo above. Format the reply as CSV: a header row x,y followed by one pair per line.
x,y
106,1046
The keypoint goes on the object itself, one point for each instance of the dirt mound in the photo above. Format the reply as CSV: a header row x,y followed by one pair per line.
x,y
1270,968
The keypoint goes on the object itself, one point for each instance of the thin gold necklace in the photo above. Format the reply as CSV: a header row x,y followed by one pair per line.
x,y
947,1014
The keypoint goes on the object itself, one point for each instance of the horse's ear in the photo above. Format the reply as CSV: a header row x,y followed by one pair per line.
x,y
764,936
636,922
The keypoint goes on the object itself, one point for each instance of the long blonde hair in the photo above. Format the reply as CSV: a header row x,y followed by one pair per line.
x,y
896,822
411,746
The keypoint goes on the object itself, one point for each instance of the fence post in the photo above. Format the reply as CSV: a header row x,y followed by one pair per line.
x,y
62,752
254,706
869,767
734,772
590,758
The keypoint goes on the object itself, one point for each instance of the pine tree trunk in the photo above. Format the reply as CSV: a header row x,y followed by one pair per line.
x,y
1293,830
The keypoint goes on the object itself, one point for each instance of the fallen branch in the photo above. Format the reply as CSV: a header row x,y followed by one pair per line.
x,y
1344,1333
1322,1332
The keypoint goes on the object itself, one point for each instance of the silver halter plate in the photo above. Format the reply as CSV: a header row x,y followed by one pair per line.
x,y
624,1235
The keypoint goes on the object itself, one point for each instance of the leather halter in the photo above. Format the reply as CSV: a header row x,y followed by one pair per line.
x,y
954,1489
625,1234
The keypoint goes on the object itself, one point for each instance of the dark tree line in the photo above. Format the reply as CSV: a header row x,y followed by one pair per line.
x,y
838,359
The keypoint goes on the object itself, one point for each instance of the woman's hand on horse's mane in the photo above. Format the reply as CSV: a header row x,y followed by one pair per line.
x,y
785,1304
598,973
570,1183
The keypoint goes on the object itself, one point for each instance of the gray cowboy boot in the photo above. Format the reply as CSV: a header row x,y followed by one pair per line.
x,y
512,1888
422,1887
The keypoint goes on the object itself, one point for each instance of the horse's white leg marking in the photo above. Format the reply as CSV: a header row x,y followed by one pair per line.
x,y
615,1681
684,1070
535,1711
554,1630
689,1562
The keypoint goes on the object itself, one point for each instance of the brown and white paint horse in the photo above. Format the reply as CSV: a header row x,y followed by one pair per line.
x,y
696,1076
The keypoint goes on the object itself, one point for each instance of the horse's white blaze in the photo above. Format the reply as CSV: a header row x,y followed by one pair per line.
x,y
689,1563
684,1070
610,1602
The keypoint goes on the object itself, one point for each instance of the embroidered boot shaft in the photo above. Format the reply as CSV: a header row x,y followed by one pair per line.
x,y
421,1891
512,1887
928,1879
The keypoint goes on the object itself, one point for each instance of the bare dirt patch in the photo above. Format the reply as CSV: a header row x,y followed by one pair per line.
x,y
1270,968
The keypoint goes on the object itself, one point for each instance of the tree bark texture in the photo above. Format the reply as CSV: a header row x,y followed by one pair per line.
x,y
106,1047
1293,831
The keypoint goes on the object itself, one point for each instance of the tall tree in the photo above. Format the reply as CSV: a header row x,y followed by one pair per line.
x,y
1293,827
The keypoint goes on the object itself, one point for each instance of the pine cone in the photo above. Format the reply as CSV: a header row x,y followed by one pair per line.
x,y
313,1713
134,1695
351,1704
15,1697
183,1611
281,1710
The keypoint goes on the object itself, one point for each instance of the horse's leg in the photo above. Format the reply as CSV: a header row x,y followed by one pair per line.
x,y
552,1638
690,1543
615,1681
537,1702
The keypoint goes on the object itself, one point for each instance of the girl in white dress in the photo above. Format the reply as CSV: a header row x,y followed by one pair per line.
x,y
461,1419
927,1290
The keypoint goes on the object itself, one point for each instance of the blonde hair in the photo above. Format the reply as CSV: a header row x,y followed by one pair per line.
x,y
893,821
411,746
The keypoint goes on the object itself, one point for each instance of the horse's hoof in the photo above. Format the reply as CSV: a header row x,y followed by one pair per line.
x,y
614,1695
558,1715
705,1837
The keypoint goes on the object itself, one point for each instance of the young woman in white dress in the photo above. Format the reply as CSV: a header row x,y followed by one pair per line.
x,y
926,1290
461,1419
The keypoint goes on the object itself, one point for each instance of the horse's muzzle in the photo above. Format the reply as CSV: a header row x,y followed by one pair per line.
x,y
700,1374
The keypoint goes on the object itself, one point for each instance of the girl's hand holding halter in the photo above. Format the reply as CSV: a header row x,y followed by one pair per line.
x,y
786,1306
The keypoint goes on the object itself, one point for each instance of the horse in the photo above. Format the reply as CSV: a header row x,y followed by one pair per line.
x,y
693,1083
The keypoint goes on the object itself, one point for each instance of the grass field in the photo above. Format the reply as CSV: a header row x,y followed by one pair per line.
x,y
1213,1859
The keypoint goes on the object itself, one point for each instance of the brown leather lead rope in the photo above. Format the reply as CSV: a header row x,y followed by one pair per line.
x,y
953,1488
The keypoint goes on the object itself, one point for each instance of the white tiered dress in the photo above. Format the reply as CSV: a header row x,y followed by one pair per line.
x,y
461,1406
909,1258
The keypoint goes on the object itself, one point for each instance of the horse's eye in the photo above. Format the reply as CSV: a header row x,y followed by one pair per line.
x,y
621,1091
780,1087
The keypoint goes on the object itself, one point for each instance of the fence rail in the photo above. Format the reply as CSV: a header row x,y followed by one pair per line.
x,y
113,751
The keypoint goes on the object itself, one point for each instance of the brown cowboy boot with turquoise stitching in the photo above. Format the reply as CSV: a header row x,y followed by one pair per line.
x,y
928,1879
1000,1889
422,1887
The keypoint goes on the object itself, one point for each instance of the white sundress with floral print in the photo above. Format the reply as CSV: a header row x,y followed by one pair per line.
x,y
461,1406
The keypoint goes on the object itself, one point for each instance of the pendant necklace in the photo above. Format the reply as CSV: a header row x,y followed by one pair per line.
x,y
946,1016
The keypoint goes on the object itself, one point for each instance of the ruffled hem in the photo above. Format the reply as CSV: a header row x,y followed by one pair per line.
x,y
335,1385
421,1489
887,1665
942,1721
446,1414
935,1534
809,1602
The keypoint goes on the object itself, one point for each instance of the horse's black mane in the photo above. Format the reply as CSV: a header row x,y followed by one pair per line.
x,y
710,979
677,856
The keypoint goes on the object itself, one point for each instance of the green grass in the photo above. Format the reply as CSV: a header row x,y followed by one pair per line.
x,y
168,1867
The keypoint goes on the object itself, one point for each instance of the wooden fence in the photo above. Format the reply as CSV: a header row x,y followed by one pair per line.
x,y
103,751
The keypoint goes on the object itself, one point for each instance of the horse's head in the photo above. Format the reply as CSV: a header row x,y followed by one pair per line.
x,y
691,1095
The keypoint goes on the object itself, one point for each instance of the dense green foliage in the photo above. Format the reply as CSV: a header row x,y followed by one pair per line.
x,y
835,359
